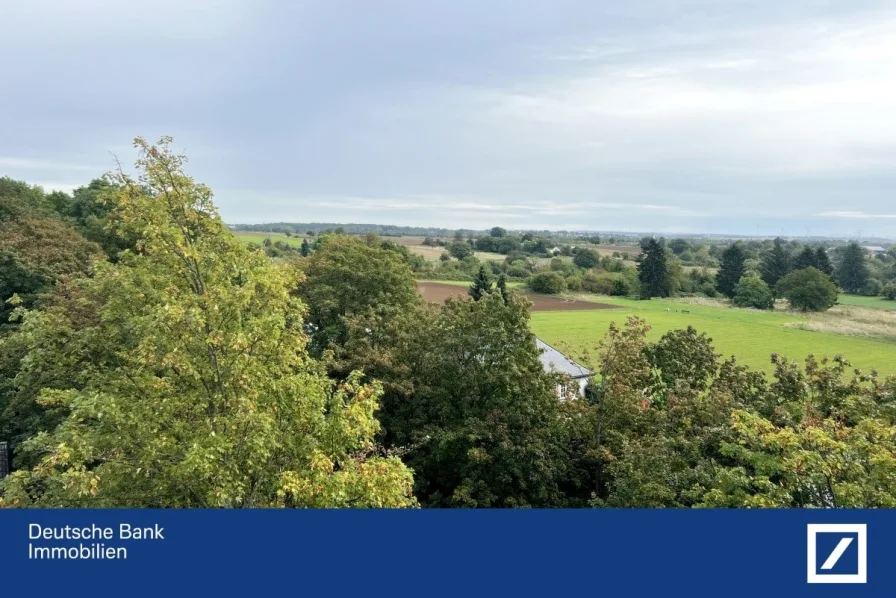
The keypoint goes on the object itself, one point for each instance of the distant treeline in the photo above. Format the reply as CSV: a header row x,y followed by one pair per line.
x,y
386,230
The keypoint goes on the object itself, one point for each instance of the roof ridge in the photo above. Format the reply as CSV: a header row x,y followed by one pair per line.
x,y
564,355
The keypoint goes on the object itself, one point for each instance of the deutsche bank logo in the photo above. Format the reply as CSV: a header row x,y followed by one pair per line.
x,y
837,552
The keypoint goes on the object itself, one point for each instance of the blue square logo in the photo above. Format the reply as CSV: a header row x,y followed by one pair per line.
x,y
837,553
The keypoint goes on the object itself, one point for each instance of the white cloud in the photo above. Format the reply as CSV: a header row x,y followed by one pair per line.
x,y
855,215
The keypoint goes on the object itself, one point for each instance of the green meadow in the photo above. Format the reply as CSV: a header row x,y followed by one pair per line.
x,y
752,336
870,302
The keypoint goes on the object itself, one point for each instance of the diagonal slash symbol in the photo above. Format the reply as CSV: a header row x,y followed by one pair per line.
x,y
838,551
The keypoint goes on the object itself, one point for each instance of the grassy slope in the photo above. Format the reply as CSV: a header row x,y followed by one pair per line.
x,y
750,335
872,302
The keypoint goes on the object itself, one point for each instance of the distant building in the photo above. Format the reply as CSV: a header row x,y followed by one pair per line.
x,y
555,362
874,249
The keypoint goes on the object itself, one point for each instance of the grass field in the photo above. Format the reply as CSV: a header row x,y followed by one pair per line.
x,y
254,237
433,254
752,336
871,302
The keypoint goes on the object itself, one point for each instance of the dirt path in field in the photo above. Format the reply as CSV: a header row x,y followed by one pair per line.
x,y
437,293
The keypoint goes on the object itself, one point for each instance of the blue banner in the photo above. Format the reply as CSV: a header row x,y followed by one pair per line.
x,y
163,553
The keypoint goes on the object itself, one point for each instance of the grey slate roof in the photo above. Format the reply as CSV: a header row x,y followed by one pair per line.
x,y
554,361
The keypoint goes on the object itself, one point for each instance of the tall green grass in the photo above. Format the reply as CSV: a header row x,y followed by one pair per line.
x,y
862,301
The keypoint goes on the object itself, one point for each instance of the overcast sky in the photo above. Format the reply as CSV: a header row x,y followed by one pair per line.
x,y
763,116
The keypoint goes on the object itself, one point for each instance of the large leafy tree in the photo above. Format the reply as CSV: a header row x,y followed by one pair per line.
x,y
811,436
468,402
852,271
732,267
808,290
93,209
776,263
37,248
348,276
586,258
653,272
824,440
194,385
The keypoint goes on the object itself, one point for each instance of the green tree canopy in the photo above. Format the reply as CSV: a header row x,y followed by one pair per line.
x,y
653,272
586,258
349,275
732,267
37,248
751,291
467,398
805,258
776,263
823,261
197,389
482,284
808,290
549,283
852,271
460,249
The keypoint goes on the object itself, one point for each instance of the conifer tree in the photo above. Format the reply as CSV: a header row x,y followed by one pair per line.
x,y
305,249
652,270
482,285
502,288
823,262
852,272
732,268
805,259
776,263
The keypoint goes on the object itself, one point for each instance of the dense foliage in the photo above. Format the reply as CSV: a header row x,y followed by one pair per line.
x,y
189,383
155,360
653,272
751,291
733,267
808,290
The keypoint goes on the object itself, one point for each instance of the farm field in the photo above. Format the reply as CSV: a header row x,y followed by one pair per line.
x,y
752,336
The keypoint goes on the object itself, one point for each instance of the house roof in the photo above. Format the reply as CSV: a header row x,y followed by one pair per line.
x,y
874,248
554,361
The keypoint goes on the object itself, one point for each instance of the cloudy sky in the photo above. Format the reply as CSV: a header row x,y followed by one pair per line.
x,y
758,116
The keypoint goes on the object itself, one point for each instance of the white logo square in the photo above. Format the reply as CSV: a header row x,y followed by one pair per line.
x,y
816,573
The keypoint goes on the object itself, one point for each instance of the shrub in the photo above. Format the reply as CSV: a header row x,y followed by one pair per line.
x,y
808,290
573,283
586,258
549,283
751,291
708,289
608,283
889,292
872,288
517,272
460,250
